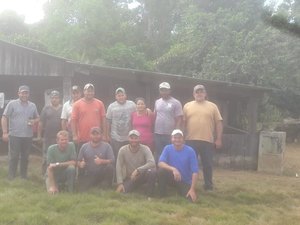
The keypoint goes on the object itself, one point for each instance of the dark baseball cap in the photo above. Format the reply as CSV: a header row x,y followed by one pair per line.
x,y
96,130
23,88
54,93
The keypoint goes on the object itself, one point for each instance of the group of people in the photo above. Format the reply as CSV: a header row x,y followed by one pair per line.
x,y
127,143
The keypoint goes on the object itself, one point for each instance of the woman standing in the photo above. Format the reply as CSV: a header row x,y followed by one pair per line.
x,y
143,121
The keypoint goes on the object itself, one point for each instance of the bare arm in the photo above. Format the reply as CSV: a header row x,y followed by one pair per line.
x,y
40,129
119,175
176,173
67,163
74,130
192,192
184,124
52,189
166,166
104,128
4,124
64,124
50,172
219,133
178,122
36,120
108,129
100,161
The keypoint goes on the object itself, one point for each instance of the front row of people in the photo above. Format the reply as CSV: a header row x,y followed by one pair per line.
x,y
135,165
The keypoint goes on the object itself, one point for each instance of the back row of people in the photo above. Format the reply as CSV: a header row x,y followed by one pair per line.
x,y
200,120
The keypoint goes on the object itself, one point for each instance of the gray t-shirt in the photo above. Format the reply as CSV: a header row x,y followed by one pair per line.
x,y
88,153
128,161
119,115
18,114
166,111
50,117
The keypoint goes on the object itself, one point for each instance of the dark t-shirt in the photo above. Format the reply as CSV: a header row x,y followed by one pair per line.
x,y
50,118
88,153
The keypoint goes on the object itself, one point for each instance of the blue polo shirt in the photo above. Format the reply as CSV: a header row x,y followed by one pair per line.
x,y
184,160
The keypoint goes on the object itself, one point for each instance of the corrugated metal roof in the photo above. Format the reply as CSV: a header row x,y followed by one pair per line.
x,y
94,69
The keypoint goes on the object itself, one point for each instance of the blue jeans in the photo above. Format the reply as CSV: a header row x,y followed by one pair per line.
x,y
18,148
205,150
160,141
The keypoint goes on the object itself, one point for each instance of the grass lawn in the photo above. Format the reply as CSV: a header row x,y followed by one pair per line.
x,y
240,197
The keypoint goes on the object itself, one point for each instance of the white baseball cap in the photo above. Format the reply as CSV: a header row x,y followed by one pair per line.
x,y
120,89
177,131
165,85
134,132
89,85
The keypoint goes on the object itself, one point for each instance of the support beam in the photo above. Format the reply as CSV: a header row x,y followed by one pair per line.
x,y
67,85
252,108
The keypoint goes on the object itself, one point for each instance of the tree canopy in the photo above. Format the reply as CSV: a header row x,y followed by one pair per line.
x,y
226,40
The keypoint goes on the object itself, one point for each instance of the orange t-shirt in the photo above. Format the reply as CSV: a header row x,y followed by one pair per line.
x,y
87,115
200,120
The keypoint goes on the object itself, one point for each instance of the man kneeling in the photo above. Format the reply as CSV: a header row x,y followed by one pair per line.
x,y
135,166
178,167
61,161
95,161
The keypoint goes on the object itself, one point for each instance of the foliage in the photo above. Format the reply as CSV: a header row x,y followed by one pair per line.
x,y
91,32
270,116
218,42
285,17
228,40
13,29
11,23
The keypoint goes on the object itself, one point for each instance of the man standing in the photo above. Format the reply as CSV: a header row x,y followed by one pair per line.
x,y
61,161
18,118
49,124
202,121
67,108
135,166
97,159
178,167
168,111
87,112
119,119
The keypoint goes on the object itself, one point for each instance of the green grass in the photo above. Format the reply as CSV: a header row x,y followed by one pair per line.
x,y
240,198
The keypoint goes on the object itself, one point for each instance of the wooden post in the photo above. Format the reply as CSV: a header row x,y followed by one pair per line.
x,y
148,98
67,83
252,108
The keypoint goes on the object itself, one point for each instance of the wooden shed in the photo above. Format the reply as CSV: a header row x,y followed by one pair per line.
x,y
238,103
